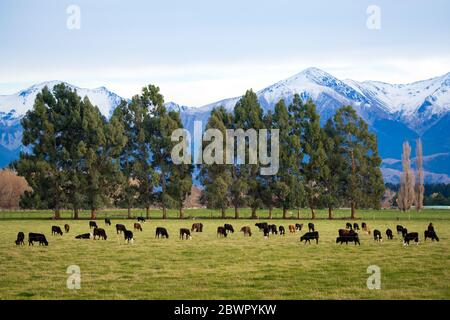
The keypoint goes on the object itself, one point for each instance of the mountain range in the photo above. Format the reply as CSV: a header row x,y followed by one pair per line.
x,y
394,112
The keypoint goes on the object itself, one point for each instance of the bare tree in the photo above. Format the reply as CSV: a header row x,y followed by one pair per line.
x,y
420,190
11,188
406,195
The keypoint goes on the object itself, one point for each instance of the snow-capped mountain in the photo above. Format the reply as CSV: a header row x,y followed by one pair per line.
x,y
395,112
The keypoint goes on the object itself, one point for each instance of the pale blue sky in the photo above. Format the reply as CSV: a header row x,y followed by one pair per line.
x,y
202,51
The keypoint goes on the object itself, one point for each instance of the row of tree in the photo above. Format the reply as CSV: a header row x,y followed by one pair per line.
x,y
78,159
319,167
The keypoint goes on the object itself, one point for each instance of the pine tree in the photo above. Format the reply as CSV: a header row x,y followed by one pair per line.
x,y
216,178
362,182
406,195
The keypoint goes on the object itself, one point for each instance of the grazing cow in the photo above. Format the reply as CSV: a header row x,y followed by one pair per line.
x,y
346,232
221,232
66,228
389,234
351,238
281,230
431,234
137,226
348,225
228,228
311,227
56,230
100,233
197,227
107,221
20,238
120,228
161,232
291,228
299,226
266,231
410,237
356,226
377,235
399,229
83,236
404,232
92,224
261,225
140,219
185,234
273,229
246,231
310,236
430,227
128,235
39,237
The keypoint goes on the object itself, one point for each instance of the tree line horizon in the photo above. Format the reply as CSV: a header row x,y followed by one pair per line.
x,y
78,159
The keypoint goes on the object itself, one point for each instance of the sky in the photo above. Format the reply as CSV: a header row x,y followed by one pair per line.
x,y
199,52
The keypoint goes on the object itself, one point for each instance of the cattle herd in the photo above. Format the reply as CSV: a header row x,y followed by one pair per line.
x,y
349,234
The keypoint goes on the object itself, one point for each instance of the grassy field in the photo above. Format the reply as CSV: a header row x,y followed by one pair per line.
x,y
233,268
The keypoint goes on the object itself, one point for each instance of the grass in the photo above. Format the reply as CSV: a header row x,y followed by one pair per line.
x,y
233,268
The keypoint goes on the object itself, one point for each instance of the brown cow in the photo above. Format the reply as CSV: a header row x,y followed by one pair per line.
x,y
291,228
247,231
66,227
197,227
221,232
137,226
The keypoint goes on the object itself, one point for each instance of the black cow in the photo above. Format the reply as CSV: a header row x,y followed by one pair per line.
x,y
311,227
410,237
404,232
185,234
221,232
431,234
100,233
140,219
39,237
310,236
266,231
299,226
351,238
92,224
346,232
281,230
120,228
56,230
107,221
261,225
377,235
389,234
348,225
356,226
228,228
66,228
20,238
399,229
430,227
273,229
161,232
128,235
364,225
83,236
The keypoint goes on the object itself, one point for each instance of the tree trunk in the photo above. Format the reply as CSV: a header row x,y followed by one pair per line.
x,y
223,213
129,212
284,213
254,216
313,213
76,214
270,213
236,212
330,213
164,212
298,213
147,212
353,210
181,213
93,214
57,214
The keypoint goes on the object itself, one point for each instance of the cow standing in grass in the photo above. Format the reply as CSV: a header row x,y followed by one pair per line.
x,y
66,228
20,238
